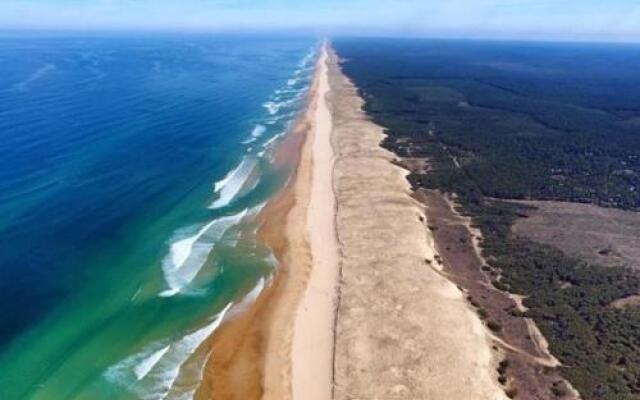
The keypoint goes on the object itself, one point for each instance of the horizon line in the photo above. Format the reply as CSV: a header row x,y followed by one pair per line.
x,y
321,33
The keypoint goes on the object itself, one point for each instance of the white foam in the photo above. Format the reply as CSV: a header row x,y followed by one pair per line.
x,y
169,292
222,182
229,187
307,58
271,140
178,355
136,294
152,373
286,91
272,107
253,211
300,93
250,297
276,103
258,131
279,118
304,69
142,369
187,255
273,261
254,293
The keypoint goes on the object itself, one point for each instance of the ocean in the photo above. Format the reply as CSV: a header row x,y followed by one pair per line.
x,y
131,170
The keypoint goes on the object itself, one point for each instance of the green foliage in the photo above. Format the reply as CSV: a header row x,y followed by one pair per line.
x,y
515,121
555,122
598,345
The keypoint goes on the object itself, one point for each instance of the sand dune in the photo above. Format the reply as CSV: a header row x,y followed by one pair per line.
x,y
360,315
403,330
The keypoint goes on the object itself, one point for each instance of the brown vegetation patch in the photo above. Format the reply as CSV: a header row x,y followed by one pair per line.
x,y
527,369
598,235
629,301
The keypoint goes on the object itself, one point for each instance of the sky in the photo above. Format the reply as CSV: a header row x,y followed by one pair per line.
x,y
600,20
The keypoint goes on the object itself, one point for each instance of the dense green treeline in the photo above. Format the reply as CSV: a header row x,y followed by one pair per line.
x,y
543,122
598,345
526,121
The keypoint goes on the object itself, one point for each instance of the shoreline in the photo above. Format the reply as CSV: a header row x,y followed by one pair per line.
x,y
314,329
346,223
252,353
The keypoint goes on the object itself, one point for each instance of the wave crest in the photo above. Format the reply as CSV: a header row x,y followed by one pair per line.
x,y
232,184
187,255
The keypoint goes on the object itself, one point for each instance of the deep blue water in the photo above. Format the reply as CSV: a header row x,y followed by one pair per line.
x,y
110,146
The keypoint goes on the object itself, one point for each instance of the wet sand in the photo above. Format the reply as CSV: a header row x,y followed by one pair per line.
x,y
255,353
360,315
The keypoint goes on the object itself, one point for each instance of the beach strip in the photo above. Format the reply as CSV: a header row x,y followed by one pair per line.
x,y
313,340
283,342
358,307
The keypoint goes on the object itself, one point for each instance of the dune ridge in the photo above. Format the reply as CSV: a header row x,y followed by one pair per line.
x,y
356,309
403,330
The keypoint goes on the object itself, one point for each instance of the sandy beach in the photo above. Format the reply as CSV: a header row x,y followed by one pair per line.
x,y
281,346
355,310
313,340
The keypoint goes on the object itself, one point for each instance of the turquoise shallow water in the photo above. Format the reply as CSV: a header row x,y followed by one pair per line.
x,y
131,169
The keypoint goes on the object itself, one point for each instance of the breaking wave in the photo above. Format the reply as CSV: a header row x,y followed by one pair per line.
x,y
152,373
187,255
232,184
258,131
